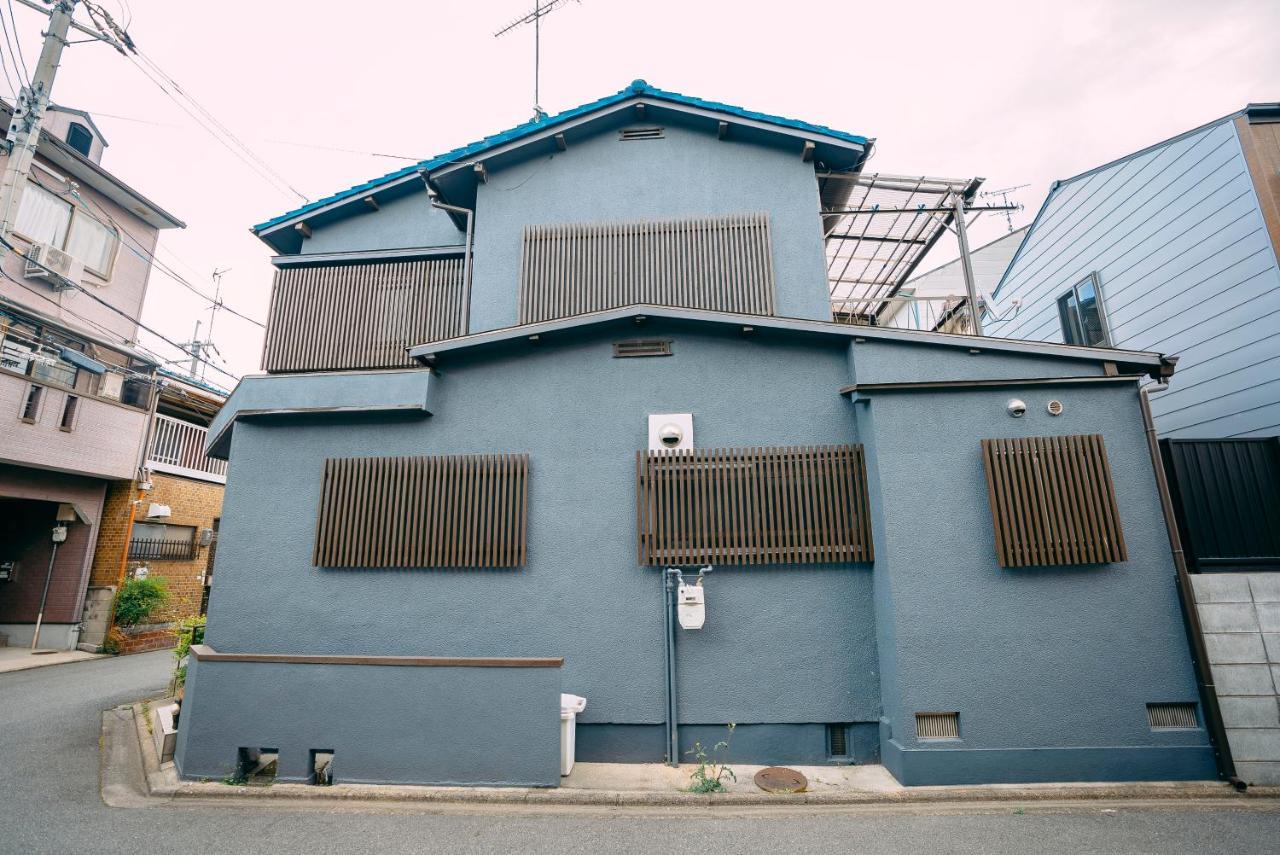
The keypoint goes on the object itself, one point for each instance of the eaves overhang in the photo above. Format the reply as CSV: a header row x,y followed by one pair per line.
x,y
1130,361
277,231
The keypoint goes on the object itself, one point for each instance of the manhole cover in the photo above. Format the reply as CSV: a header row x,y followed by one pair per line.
x,y
780,779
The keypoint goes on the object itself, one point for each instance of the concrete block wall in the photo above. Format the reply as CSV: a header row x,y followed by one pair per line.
x,y
1240,616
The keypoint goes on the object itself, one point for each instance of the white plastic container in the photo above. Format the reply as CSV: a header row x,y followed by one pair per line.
x,y
570,706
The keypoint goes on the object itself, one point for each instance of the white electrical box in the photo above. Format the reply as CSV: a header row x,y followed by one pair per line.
x,y
691,605
670,431
157,511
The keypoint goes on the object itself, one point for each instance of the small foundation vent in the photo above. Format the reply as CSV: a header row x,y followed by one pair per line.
x,y
641,347
838,740
640,134
938,725
1172,716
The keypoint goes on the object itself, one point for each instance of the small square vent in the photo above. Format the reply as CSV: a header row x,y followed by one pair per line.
x,y
652,133
838,740
1172,716
937,725
641,347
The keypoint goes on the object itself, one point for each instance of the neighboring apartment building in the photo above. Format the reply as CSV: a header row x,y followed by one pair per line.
x,y
509,388
1174,248
76,396
163,525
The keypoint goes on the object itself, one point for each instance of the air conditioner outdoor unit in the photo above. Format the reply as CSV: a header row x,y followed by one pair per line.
x,y
49,262
109,385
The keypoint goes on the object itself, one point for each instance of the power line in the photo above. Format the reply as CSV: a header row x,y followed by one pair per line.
x,y
17,41
92,296
24,79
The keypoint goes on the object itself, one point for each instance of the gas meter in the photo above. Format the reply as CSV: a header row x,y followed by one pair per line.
x,y
691,604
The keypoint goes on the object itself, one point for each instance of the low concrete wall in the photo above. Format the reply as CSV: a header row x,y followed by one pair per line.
x,y
1240,615
386,719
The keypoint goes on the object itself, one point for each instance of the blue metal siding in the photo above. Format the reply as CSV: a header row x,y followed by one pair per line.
x,y
1187,268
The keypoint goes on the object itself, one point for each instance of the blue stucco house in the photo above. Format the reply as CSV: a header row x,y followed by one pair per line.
x,y
1175,248
505,390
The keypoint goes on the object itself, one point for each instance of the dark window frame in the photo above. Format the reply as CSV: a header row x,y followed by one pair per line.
x,y
1078,327
75,127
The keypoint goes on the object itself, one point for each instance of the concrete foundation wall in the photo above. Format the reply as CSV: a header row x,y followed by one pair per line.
x,y
383,723
1240,616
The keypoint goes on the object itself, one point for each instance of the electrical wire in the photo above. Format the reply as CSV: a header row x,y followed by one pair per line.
x,y
17,41
4,66
92,296
19,70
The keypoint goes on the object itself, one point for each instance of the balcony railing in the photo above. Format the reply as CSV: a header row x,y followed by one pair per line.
x,y
934,313
162,550
178,448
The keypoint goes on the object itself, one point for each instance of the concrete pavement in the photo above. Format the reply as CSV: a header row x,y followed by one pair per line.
x,y
50,721
22,658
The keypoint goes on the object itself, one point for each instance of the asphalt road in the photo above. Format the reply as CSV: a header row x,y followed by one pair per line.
x,y
50,720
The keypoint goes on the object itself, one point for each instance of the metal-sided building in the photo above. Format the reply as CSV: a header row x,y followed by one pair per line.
x,y
506,389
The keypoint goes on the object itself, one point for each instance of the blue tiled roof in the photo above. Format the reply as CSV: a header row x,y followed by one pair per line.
x,y
637,87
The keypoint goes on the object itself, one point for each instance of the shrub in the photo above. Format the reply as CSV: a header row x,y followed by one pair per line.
x,y
190,631
113,641
137,599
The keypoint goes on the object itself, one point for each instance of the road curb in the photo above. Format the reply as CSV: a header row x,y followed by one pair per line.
x,y
161,783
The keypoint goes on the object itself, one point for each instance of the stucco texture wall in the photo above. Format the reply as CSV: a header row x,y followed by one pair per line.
x,y
781,644
686,174
408,222
1050,668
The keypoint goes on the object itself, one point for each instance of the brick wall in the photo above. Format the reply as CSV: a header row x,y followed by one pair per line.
x,y
192,503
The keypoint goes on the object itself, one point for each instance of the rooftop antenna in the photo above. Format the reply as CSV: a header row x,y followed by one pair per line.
x,y
1003,193
540,8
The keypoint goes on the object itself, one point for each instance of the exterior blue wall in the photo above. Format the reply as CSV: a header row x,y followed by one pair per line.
x,y
1176,236
689,173
403,223
1050,668
781,644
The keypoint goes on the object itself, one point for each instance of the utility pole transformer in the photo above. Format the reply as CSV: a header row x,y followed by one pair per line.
x,y
28,115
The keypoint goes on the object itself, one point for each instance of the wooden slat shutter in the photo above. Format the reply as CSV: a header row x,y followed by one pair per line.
x,y
722,264
466,510
362,315
1052,501
802,505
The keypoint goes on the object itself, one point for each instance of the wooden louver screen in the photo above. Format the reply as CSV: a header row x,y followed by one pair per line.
x,y
803,505
721,264
467,510
362,315
1052,501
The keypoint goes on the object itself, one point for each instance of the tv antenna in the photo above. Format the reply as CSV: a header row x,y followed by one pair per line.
x,y
540,9
1003,193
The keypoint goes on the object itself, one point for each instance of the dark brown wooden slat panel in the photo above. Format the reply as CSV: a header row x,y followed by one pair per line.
x,y
362,315
443,511
1052,501
752,506
717,263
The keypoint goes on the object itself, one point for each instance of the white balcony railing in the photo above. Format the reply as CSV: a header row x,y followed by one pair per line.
x,y
178,448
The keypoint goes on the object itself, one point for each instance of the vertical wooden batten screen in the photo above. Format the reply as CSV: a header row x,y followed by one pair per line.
x,y
466,510
1052,501
722,264
362,315
802,505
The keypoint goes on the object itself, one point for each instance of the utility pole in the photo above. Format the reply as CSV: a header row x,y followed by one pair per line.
x,y
194,347
28,114
966,265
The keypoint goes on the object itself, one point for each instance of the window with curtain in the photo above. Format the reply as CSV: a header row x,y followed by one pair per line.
x,y
1080,311
43,216
93,243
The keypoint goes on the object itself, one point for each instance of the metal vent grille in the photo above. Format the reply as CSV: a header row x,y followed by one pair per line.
x,y
642,347
1052,501
937,725
468,510
838,740
362,315
652,133
722,264
1172,716
791,505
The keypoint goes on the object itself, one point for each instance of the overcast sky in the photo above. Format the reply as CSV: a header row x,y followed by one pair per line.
x,y
1016,92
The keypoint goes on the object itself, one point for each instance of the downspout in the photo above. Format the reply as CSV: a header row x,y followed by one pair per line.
x,y
1186,598
669,577
466,252
133,505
